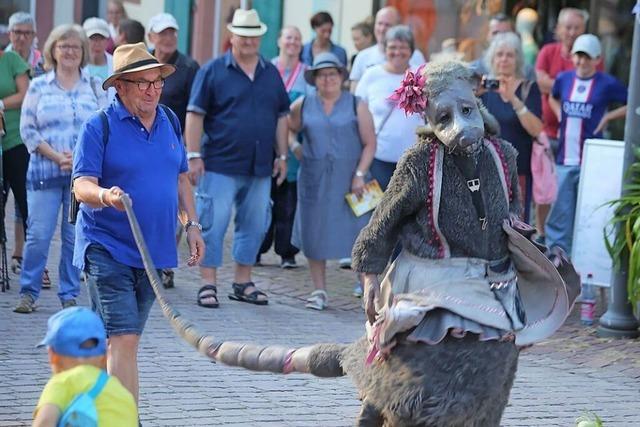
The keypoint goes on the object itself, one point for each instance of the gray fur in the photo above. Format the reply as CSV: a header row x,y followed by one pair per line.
x,y
460,382
405,204
439,388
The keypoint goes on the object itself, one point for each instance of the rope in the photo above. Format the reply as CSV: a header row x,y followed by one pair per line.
x,y
258,358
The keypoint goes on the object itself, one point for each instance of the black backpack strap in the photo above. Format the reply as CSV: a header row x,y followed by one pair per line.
x,y
172,118
304,99
74,204
105,128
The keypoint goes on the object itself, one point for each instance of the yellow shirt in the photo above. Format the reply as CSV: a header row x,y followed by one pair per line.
x,y
114,404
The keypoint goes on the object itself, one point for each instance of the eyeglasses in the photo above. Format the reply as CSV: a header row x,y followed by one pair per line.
x,y
144,85
71,47
327,76
19,33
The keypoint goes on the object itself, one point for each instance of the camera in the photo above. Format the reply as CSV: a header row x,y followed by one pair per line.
x,y
491,84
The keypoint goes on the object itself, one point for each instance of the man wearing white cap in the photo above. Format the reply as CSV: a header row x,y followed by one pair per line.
x,y
580,99
163,35
240,102
100,62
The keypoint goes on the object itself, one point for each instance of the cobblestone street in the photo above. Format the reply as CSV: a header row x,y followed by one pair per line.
x,y
558,380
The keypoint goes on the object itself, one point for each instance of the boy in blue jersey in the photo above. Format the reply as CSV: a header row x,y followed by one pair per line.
x,y
580,99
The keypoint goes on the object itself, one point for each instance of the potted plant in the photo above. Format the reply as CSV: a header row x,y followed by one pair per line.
x,y
622,234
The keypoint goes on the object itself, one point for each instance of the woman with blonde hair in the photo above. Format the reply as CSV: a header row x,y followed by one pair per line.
x,y
53,110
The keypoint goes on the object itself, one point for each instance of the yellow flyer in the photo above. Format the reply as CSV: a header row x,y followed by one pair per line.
x,y
369,200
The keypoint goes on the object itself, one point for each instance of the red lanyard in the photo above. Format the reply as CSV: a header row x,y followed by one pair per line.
x,y
292,77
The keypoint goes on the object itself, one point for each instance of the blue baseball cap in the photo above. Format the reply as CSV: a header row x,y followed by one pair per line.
x,y
69,330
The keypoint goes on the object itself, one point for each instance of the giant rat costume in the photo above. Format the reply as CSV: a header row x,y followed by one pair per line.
x,y
466,291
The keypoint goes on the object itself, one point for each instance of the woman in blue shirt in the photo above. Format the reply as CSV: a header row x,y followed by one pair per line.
x,y
56,105
322,25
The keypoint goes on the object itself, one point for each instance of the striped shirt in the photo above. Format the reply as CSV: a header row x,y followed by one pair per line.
x,y
55,115
583,102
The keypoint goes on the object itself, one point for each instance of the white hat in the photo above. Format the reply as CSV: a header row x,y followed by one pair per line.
x,y
94,26
589,44
247,23
161,22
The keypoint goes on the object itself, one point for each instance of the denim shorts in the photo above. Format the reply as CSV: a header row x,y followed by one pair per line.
x,y
217,196
120,294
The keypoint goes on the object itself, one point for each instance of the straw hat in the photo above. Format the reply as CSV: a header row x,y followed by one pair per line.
x,y
131,58
247,23
323,60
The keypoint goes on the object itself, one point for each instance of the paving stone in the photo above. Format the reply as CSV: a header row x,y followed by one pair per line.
x,y
571,373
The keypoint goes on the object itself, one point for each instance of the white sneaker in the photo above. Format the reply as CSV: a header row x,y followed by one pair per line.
x,y
357,290
317,300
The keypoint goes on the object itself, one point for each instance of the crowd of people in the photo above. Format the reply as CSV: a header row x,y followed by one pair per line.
x,y
321,126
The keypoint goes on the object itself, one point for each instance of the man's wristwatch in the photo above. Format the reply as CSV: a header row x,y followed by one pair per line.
x,y
191,223
282,157
194,155
359,173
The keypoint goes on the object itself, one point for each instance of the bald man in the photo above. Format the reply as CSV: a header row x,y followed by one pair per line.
x,y
386,18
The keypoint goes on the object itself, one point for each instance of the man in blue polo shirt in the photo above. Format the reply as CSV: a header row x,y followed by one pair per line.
x,y
240,102
143,156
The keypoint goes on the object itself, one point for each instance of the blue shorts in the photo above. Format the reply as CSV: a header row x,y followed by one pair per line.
x,y
120,294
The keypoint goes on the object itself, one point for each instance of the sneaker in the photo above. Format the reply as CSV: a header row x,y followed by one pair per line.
x,y
26,305
317,300
69,303
16,264
357,290
345,263
288,263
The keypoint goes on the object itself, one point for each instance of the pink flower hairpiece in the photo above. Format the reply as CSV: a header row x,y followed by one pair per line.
x,y
411,96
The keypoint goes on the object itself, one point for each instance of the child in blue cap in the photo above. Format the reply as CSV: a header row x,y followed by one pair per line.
x,y
77,344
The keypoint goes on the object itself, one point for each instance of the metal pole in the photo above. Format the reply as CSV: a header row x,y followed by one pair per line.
x,y
619,321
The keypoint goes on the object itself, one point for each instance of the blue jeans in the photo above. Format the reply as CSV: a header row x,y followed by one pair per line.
x,y
382,172
216,195
44,208
120,294
559,226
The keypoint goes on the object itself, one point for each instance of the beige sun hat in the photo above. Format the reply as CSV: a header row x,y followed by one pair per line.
x,y
247,23
131,58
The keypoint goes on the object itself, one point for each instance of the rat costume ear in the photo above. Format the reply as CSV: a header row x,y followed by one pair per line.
x,y
491,125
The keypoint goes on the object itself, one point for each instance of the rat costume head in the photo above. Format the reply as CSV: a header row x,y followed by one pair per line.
x,y
443,93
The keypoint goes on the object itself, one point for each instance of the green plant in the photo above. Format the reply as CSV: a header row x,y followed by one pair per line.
x,y
589,420
622,234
